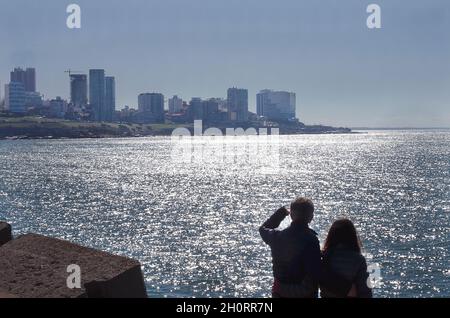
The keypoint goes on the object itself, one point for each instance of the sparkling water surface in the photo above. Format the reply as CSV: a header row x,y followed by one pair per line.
x,y
193,224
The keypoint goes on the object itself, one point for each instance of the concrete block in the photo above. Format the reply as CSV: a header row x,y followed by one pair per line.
x,y
35,266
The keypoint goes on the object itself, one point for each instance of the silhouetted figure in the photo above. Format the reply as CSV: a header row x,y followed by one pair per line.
x,y
296,255
342,256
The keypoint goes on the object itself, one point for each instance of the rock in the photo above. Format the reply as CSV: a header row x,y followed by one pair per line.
x,y
5,233
6,295
35,266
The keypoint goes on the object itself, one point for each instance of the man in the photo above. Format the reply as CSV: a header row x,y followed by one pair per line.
x,y
296,255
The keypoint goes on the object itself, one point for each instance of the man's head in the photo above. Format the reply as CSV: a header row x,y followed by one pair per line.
x,y
302,210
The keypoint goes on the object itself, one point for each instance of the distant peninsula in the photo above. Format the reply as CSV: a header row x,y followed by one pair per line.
x,y
36,127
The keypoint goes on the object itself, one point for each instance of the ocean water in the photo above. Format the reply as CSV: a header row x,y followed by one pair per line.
x,y
191,214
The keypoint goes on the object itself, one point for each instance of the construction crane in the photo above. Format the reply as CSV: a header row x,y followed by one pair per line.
x,y
70,72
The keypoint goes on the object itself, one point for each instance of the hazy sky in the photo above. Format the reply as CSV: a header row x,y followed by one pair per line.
x,y
343,73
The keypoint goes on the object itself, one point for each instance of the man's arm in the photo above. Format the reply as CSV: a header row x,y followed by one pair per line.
x,y
267,230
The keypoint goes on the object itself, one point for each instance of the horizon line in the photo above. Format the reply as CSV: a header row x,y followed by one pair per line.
x,y
395,128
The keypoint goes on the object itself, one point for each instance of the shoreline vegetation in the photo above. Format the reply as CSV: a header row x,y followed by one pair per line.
x,y
18,128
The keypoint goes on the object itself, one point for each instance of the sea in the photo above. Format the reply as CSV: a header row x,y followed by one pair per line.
x,y
189,208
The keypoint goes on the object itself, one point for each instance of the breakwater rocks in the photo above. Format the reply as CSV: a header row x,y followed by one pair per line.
x,y
36,266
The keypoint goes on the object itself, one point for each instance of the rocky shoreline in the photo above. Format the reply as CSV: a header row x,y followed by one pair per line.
x,y
42,128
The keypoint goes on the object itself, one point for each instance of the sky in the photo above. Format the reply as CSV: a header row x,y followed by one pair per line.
x,y
343,73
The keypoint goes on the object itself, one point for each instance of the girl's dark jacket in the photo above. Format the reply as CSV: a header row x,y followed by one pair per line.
x,y
350,265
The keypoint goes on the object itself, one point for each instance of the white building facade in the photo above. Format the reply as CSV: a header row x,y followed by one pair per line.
x,y
15,98
276,105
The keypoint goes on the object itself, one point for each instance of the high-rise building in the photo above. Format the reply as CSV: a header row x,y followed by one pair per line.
x,y
212,110
151,107
198,108
237,100
15,100
110,98
97,93
222,104
175,105
26,77
58,107
30,80
78,90
276,105
33,100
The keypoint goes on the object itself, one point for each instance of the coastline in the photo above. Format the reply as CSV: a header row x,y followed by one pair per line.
x,y
36,128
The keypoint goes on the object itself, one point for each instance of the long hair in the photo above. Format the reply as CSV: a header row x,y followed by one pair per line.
x,y
342,233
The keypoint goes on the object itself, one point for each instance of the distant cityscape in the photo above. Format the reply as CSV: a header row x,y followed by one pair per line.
x,y
93,98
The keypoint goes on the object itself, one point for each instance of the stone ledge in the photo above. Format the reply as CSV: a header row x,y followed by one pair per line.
x,y
35,266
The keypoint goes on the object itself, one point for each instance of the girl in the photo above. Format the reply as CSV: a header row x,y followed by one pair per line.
x,y
342,256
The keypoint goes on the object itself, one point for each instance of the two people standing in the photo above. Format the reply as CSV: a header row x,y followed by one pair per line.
x,y
300,267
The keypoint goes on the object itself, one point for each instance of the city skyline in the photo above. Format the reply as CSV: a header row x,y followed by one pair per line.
x,y
279,101
343,73
22,98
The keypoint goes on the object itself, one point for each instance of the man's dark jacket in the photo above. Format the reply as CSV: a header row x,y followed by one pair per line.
x,y
296,258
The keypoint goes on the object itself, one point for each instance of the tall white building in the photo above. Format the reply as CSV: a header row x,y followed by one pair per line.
x,y
15,99
175,105
276,105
